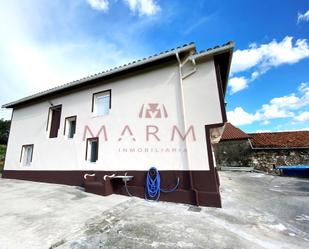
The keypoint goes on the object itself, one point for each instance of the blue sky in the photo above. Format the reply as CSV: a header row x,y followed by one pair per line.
x,y
47,43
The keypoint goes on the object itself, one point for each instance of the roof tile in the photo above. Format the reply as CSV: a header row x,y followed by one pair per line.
x,y
185,47
290,139
232,133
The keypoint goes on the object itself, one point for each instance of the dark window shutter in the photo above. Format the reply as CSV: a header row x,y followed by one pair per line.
x,y
55,122
72,128
94,151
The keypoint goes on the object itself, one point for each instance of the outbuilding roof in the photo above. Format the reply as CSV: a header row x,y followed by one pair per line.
x,y
291,139
233,133
288,139
223,53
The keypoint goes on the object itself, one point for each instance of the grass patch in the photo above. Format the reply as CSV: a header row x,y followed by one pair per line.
x,y
2,155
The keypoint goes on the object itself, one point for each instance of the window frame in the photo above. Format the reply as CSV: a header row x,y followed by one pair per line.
x,y
22,156
109,91
97,154
65,126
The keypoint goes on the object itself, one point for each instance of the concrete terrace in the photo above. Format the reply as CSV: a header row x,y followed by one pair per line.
x,y
259,211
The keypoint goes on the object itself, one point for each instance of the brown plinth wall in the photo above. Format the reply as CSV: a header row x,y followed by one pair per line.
x,y
205,193
200,187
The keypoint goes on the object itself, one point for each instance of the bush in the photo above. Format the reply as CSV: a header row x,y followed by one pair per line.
x,y
4,130
2,155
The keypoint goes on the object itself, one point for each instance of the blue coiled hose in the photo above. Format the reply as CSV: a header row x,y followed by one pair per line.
x,y
152,189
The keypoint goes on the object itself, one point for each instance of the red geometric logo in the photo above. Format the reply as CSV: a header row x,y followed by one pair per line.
x,y
153,110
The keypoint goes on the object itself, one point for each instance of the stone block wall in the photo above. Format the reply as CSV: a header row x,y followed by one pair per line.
x,y
238,153
266,160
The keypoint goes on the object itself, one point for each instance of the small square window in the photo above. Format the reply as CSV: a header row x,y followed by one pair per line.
x,y
70,127
101,103
26,155
92,149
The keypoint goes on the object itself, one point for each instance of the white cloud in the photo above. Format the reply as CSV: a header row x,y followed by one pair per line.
x,y
262,131
240,117
280,107
304,87
29,65
58,63
261,58
143,7
273,54
279,128
283,107
303,17
274,111
303,129
99,4
303,117
246,59
238,84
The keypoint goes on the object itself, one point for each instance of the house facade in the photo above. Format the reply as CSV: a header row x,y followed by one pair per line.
x,y
163,111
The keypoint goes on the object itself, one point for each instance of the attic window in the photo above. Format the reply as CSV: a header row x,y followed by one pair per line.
x,y
26,154
101,103
70,126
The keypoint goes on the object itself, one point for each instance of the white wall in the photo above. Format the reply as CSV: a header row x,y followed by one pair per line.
x,y
199,99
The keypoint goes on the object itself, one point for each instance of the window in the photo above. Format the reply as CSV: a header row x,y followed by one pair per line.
x,y
101,103
92,149
53,122
70,126
26,154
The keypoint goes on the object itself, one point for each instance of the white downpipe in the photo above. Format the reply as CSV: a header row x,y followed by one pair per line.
x,y
184,123
182,105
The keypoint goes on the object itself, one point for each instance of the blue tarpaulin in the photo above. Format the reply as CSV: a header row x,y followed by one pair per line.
x,y
295,170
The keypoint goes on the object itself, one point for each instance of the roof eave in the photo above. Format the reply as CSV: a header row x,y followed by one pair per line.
x,y
280,148
234,139
228,49
115,70
215,51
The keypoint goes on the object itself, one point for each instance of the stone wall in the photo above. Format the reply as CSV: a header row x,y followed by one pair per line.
x,y
238,153
233,153
266,160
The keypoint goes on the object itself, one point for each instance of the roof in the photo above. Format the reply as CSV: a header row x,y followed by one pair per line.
x,y
218,51
233,133
291,139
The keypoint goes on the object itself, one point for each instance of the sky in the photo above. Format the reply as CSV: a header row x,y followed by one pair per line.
x,y
44,44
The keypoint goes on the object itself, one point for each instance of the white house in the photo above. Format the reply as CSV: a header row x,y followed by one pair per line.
x,y
163,111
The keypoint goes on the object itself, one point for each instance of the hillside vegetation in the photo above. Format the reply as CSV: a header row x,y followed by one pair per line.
x,y
4,135
2,154
4,130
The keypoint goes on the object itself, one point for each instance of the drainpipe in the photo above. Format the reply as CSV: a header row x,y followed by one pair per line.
x,y
181,77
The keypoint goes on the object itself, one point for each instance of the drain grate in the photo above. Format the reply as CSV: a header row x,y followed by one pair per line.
x,y
194,209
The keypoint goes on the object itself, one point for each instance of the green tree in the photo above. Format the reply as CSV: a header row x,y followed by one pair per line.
x,y
4,130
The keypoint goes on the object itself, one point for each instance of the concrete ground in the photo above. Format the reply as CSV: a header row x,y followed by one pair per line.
x,y
259,211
